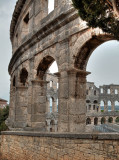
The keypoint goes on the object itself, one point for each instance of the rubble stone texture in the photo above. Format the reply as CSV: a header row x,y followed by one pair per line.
x,y
60,147
38,39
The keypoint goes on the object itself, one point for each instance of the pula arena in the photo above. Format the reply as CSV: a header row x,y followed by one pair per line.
x,y
101,104
38,39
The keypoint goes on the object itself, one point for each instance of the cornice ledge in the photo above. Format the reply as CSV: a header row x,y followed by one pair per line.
x,y
42,32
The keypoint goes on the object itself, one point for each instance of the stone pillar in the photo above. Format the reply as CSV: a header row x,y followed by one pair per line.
x,y
72,101
106,120
114,120
105,106
99,120
48,105
112,106
62,2
55,126
21,105
38,117
87,108
99,109
40,10
92,121
48,125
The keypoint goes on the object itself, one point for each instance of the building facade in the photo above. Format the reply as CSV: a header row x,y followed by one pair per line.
x,y
3,103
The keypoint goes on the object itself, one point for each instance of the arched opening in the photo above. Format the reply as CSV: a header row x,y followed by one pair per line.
x,y
44,66
117,120
95,92
95,102
101,90
86,92
88,48
23,76
51,83
25,25
102,64
51,105
57,104
87,101
96,121
108,91
88,121
109,106
110,120
51,5
116,91
103,120
14,81
88,105
57,85
52,122
116,108
93,107
97,108
46,72
102,106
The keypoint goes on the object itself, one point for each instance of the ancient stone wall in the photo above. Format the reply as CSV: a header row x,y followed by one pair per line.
x,y
38,39
35,146
95,96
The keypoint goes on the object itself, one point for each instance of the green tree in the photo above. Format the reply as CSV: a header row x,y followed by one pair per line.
x,y
100,13
3,116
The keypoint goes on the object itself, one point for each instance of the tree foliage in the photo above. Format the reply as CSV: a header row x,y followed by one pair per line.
x,y
100,13
3,116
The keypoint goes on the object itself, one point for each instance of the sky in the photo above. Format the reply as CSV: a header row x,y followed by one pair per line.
x,y
103,63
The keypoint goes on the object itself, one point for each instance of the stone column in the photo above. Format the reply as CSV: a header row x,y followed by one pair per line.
x,y
38,117
72,101
21,105
99,120
114,119
112,106
48,125
105,106
106,120
99,109
48,105
92,121
55,126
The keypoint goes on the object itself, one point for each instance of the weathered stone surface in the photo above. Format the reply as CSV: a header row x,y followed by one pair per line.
x,y
36,146
38,39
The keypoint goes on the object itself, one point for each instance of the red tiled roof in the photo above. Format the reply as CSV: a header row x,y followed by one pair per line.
x,y
3,100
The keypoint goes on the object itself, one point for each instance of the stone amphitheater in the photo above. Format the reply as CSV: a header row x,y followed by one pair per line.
x,y
95,113
38,39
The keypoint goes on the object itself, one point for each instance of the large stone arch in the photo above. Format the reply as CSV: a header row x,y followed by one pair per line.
x,y
23,76
86,44
64,37
44,66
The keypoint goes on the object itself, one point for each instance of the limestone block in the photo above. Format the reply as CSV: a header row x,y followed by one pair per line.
x,y
77,107
63,107
38,118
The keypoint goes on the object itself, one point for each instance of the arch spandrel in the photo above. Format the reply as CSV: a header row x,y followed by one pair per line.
x,y
85,44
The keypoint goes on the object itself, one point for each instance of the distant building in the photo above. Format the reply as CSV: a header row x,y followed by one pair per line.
x,y
3,103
